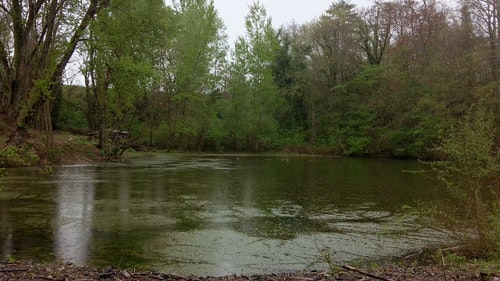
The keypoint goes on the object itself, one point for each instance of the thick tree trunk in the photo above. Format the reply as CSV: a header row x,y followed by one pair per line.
x,y
31,79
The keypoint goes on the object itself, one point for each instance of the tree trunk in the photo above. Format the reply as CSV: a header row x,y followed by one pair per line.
x,y
32,79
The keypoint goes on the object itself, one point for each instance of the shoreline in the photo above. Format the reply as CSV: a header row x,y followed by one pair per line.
x,y
59,271
68,148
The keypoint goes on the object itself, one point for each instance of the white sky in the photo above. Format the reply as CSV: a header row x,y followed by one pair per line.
x,y
282,12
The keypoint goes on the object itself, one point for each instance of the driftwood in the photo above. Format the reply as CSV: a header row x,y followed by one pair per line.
x,y
364,273
118,137
175,276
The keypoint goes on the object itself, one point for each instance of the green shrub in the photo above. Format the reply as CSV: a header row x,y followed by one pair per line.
x,y
358,146
470,170
12,156
71,119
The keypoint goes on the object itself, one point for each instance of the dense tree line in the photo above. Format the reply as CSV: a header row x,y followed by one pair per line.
x,y
388,79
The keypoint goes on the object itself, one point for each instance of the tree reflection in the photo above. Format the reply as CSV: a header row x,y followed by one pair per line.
x,y
75,206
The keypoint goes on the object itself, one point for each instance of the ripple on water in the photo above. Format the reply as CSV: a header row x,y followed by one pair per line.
x,y
215,215
218,252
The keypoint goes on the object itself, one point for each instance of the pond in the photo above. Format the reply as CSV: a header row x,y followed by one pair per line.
x,y
215,215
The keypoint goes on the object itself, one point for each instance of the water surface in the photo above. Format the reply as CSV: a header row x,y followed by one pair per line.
x,y
215,215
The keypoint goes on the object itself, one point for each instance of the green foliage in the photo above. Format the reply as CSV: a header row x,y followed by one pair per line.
x,y
290,137
34,54
46,170
358,146
409,142
471,172
216,135
12,156
452,259
327,258
122,63
250,117
351,82
199,47
72,120
162,135
194,61
3,173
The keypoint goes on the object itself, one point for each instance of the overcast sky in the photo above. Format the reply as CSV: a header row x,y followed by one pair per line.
x,y
282,12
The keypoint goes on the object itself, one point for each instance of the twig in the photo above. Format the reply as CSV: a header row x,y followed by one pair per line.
x,y
8,262
126,274
443,265
414,255
13,270
364,273
174,276
152,275
304,278
158,277
451,249
49,278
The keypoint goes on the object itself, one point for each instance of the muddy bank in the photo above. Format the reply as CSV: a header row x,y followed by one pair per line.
x,y
24,270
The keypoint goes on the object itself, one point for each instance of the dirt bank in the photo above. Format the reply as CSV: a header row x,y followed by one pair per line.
x,y
32,150
23,270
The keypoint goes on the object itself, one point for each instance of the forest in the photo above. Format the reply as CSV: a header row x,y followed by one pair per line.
x,y
388,80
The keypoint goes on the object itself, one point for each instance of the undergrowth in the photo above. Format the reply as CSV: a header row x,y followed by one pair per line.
x,y
13,156
470,171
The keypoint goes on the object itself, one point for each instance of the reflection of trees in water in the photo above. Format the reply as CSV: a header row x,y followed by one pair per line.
x,y
8,246
26,213
75,206
5,232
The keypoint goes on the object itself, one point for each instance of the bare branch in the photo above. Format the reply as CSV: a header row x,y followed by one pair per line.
x,y
94,8
2,7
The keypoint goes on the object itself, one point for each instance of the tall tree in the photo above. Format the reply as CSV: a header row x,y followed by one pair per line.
x,y
37,40
196,63
335,58
121,60
376,29
415,70
253,83
486,17
289,71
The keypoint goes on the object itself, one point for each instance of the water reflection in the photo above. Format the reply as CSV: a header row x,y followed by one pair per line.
x,y
25,215
7,232
8,246
216,215
75,207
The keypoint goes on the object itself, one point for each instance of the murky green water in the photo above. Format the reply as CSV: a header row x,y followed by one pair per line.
x,y
214,215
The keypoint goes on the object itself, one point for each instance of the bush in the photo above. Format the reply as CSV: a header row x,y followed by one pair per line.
x,y
358,146
71,119
470,171
12,156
